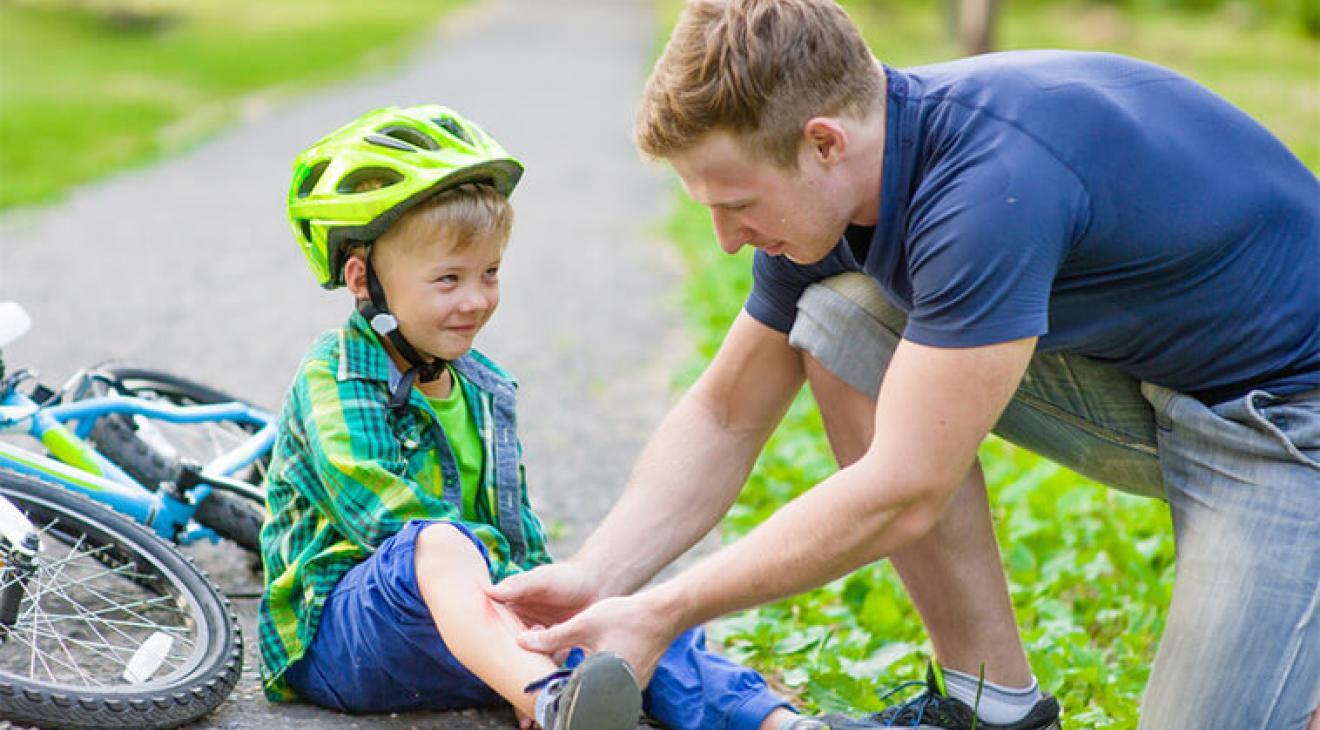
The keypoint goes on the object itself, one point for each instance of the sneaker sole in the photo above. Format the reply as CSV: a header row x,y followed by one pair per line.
x,y
1054,725
602,695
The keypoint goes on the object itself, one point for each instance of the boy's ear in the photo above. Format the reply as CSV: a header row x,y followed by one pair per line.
x,y
355,276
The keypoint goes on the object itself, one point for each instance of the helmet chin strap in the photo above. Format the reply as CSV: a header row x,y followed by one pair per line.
x,y
377,313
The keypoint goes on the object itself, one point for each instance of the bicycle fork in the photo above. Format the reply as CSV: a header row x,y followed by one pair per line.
x,y
19,545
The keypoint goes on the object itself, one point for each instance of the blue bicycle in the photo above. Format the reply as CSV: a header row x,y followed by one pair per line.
x,y
103,623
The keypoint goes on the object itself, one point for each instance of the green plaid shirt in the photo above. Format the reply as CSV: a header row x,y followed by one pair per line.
x,y
347,473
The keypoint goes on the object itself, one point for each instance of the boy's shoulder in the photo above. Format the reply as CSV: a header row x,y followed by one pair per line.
x,y
476,361
350,352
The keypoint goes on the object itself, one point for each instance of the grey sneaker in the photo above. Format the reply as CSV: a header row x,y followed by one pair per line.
x,y
599,694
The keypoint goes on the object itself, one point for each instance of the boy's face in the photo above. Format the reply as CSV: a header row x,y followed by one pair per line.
x,y
441,297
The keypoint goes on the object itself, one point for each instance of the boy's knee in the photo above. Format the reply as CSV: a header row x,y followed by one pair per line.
x,y
444,541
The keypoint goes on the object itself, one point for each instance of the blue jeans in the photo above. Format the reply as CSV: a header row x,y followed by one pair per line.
x,y
377,650
1241,646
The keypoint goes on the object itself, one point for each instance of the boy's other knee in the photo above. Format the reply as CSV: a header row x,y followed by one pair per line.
x,y
443,542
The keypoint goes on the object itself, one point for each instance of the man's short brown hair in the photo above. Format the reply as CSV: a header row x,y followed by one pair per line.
x,y
758,69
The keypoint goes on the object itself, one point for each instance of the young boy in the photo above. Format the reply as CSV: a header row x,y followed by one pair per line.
x,y
396,489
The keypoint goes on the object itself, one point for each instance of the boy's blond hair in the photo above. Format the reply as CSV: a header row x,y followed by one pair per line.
x,y
461,215
758,69
464,215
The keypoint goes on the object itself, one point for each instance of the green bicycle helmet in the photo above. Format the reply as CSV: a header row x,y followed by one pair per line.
x,y
407,154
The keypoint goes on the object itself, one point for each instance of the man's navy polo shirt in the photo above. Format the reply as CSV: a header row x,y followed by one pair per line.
x,y
1108,206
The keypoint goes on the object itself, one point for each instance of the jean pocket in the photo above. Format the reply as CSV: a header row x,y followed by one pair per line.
x,y
1294,424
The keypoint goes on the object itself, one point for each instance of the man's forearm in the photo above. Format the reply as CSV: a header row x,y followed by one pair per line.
x,y
684,482
847,521
935,407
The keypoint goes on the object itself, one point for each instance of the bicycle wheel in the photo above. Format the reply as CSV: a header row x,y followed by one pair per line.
x,y
150,449
116,629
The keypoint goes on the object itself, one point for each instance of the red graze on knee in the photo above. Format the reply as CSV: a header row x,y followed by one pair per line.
x,y
498,615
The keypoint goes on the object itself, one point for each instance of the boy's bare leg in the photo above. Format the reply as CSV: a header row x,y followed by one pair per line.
x,y
953,573
452,576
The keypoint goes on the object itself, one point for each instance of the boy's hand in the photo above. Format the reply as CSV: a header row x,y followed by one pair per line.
x,y
547,595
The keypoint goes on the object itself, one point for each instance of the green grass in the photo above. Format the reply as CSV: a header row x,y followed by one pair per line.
x,y
85,89
1090,569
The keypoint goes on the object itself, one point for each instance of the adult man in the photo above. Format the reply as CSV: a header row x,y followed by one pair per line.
x,y
1096,257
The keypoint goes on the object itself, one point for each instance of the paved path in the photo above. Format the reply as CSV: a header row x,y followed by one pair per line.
x,y
190,265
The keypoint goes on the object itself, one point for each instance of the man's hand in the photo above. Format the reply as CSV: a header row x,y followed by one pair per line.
x,y
547,595
631,626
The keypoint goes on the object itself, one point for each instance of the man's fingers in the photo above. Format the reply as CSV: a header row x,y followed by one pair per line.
x,y
551,640
509,590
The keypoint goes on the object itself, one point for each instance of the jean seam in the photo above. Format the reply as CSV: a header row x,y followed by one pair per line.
x,y
1117,438
1076,383
1292,658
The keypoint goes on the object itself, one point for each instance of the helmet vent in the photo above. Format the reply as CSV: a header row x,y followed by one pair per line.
x,y
366,179
312,178
408,135
453,128
305,225
390,142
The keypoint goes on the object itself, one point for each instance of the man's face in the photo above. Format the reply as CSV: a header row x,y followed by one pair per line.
x,y
799,214
440,297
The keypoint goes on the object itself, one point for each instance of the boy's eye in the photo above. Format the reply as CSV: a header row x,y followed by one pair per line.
x,y
493,271
447,279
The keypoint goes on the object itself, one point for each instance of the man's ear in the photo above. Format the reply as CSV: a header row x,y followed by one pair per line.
x,y
827,139
355,276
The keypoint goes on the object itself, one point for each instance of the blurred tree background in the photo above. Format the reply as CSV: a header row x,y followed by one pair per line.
x,y
1090,569
90,86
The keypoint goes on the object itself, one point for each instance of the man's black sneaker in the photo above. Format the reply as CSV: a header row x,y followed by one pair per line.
x,y
935,710
932,710
598,694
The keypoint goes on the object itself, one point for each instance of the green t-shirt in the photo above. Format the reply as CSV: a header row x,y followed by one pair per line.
x,y
461,430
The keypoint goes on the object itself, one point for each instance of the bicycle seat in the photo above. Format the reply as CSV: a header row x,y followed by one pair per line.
x,y
14,321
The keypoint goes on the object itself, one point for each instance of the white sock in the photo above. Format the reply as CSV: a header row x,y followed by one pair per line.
x,y
998,705
543,699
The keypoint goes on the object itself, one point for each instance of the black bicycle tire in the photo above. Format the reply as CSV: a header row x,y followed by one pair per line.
x,y
192,696
233,517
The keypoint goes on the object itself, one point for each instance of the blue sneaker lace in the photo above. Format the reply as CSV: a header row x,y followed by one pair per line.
x,y
915,706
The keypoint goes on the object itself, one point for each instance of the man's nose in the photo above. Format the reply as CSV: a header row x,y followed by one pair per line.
x,y
731,235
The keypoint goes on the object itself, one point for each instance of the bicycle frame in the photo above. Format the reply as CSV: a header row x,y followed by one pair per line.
x,y
77,465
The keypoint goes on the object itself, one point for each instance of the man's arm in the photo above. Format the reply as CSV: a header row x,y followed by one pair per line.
x,y
685,479
935,407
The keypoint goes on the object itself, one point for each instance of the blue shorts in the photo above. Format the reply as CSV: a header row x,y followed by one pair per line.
x,y
377,650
